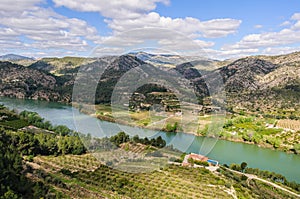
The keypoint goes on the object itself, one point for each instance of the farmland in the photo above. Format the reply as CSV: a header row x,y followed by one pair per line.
x,y
289,124
280,134
55,163
82,176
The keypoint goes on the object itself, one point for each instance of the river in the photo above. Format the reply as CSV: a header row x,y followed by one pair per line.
x,y
225,152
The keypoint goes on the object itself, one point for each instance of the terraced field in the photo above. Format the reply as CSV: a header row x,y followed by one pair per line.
x,y
289,124
84,173
82,176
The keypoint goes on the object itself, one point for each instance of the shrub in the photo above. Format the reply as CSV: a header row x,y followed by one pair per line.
x,y
228,185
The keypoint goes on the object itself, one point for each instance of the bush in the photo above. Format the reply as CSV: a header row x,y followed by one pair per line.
x,y
120,138
244,177
171,128
201,163
30,158
228,185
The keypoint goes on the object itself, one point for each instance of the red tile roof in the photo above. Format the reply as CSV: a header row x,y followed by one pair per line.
x,y
198,157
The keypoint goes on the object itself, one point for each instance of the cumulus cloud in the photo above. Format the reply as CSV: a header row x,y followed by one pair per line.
x,y
228,54
30,25
296,16
268,39
42,28
271,42
190,26
285,23
280,50
160,38
113,8
8,7
131,15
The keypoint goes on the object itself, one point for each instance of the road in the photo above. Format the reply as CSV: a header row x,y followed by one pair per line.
x,y
251,176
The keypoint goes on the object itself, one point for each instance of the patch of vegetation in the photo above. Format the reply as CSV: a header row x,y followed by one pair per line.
x,y
45,140
13,182
122,137
268,175
263,131
171,127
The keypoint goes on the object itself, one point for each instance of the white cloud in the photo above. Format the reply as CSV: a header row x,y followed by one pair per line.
x,y
228,54
28,25
283,37
103,51
280,50
133,22
285,23
189,26
258,26
42,28
16,6
270,42
113,8
8,34
172,34
123,15
296,26
161,39
296,16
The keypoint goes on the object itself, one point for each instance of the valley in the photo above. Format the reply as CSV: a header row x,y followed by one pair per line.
x,y
261,108
49,168
258,109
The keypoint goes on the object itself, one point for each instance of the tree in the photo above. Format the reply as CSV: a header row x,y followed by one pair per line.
x,y
160,143
235,167
191,161
62,130
13,182
257,138
244,177
297,148
136,139
171,128
120,138
243,166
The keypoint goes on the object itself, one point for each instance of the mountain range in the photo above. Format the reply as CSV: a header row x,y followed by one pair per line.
x,y
14,57
261,83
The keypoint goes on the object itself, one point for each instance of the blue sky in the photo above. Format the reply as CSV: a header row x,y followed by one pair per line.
x,y
217,29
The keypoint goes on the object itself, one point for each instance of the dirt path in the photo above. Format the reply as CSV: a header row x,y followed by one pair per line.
x,y
251,176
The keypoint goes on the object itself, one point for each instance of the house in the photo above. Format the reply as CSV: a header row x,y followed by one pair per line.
x,y
194,156
198,157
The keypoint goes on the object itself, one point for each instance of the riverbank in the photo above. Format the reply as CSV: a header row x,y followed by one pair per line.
x,y
225,151
266,138
103,113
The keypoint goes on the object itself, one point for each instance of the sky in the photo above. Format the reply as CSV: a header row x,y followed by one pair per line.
x,y
216,29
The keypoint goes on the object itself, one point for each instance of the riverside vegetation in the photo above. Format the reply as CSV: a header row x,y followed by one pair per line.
x,y
51,162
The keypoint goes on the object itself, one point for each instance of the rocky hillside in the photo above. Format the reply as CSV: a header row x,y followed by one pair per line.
x,y
22,82
262,83
245,74
60,66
